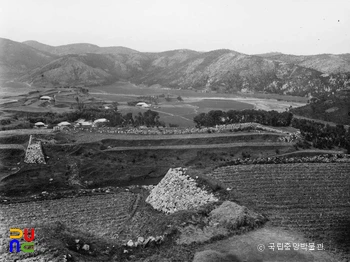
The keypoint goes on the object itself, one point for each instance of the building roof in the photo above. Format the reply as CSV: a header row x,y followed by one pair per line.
x,y
39,124
141,104
101,120
64,123
87,123
45,97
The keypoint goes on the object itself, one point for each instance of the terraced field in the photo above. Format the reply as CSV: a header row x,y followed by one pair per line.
x,y
102,215
312,198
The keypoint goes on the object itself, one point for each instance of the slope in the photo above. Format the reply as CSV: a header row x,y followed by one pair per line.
x,y
223,71
88,69
17,58
326,63
78,48
228,71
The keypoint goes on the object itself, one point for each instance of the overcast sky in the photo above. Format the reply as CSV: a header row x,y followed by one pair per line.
x,y
247,26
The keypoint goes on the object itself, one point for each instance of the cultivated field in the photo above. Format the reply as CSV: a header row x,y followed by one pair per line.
x,y
102,215
173,111
312,198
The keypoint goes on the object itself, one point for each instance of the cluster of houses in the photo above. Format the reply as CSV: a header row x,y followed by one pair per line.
x,y
78,123
81,122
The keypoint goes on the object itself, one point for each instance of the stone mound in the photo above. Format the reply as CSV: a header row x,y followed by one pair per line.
x,y
227,218
231,216
178,191
34,152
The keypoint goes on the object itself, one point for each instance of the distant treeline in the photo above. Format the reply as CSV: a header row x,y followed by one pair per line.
x,y
323,136
218,117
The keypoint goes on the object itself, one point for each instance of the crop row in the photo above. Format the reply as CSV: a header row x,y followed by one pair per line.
x,y
97,214
310,197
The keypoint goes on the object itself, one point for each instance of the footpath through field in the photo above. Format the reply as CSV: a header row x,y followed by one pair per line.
x,y
315,120
227,145
25,132
11,146
83,137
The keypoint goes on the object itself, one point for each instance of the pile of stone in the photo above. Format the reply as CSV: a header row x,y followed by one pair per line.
x,y
324,158
34,153
178,191
142,242
225,219
178,130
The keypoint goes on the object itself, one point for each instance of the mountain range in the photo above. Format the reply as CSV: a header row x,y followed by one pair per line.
x,y
223,70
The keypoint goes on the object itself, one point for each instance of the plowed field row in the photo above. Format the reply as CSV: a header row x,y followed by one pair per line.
x,y
311,197
102,215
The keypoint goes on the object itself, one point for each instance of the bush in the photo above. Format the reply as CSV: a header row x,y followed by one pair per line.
x,y
245,155
5,122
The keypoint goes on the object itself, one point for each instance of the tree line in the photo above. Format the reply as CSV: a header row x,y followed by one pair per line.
x,y
323,136
219,117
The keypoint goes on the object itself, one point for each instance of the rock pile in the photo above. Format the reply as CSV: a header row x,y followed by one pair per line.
x,y
227,218
178,191
324,158
145,242
177,130
34,153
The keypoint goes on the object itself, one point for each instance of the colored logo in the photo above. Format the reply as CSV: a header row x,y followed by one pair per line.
x,y
27,245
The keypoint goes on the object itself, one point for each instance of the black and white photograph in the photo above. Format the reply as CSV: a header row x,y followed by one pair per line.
x,y
174,131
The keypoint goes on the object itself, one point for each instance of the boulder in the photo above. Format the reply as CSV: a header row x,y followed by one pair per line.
x,y
130,243
231,216
86,247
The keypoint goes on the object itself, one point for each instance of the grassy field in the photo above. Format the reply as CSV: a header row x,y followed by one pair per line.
x,y
311,198
221,104
175,112
136,157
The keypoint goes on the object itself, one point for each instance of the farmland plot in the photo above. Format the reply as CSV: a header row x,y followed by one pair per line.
x,y
102,215
310,197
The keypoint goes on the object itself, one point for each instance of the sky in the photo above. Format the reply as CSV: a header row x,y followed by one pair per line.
x,y
300,27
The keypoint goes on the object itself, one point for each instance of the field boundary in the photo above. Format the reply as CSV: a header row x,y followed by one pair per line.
x,y
174,147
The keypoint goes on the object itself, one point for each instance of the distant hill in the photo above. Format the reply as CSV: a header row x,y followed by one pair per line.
x,y
85,69
223,70
80,48
229,71
326,63
17,58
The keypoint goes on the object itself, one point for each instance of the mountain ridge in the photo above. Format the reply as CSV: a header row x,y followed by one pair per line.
x,y
326,63
221,70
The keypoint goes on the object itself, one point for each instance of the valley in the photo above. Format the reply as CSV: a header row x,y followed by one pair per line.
x,y
97,144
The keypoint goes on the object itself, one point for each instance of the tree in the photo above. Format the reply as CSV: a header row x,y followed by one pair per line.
x,y
80,104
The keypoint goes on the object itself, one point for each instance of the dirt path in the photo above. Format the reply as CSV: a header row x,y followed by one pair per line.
x,y
25,132
315,120
85,137
12,146
254,246
174,147
312,151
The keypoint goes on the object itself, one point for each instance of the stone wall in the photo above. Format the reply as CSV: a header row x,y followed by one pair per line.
x,y
34,153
